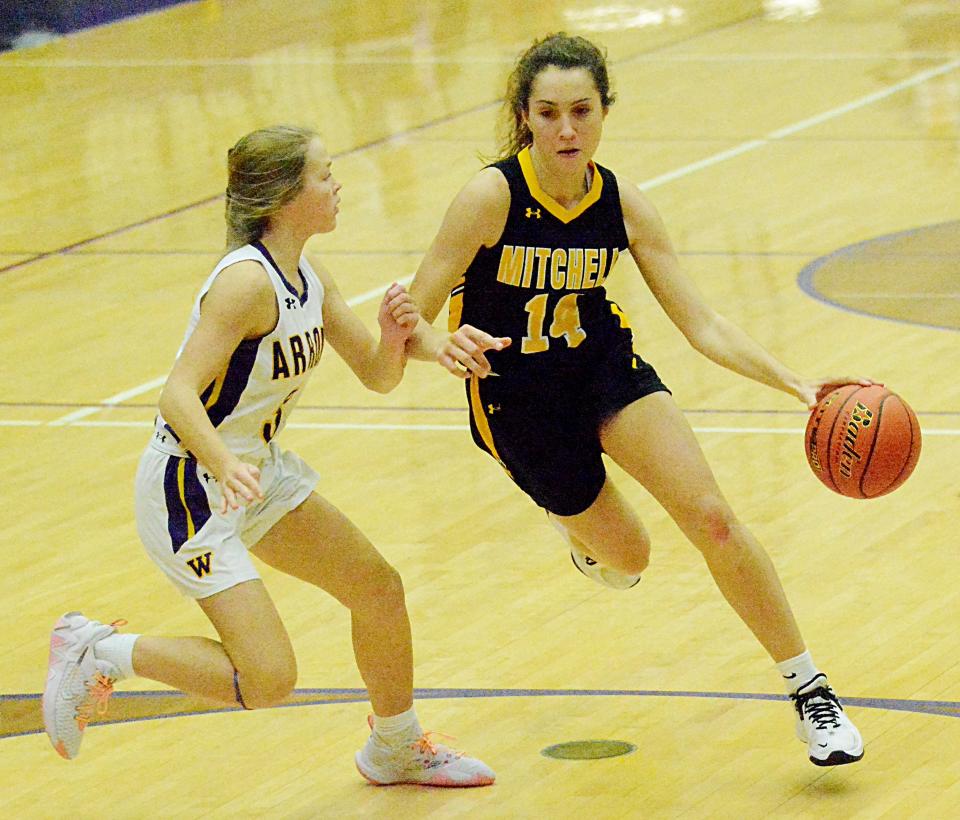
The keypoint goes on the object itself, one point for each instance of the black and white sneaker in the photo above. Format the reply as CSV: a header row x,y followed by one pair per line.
x,y
831,737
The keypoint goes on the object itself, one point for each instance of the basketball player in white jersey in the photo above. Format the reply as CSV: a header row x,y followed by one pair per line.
x,y
213,486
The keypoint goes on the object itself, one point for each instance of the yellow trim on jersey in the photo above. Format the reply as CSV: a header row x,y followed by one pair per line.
x,y
456,306
480,418
565,215
215,392
181,478
617,311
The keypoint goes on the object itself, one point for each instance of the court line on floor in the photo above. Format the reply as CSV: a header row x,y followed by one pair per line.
x,y
870,250
327,253
14,62
653,137
370,408
146,387
325,425
746,147
83,412
23,715
679,173
379,252
386,140
841,295
802,125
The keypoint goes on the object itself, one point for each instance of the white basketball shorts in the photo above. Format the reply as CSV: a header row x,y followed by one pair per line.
x,y
178,517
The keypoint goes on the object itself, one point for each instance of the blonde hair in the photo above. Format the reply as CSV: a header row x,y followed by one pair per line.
x,y
563,51
264,172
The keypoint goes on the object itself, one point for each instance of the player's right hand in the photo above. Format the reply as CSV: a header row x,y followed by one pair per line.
x,y
813,390
239,481
462,352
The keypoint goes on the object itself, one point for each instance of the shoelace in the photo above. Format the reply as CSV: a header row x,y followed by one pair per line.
x,y
824,710
425,746
99,693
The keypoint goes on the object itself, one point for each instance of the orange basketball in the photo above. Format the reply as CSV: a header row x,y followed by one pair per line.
x,y
862,442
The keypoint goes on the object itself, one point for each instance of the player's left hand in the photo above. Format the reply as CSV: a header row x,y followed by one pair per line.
x,y
812,391
398,315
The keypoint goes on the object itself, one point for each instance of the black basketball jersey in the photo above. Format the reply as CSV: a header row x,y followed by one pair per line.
x,y
542,283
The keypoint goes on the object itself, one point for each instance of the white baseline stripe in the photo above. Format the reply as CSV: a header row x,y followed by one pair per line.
x,y
324,425
935,296
802,125
686,170
375,293
779,431
83,412
876,96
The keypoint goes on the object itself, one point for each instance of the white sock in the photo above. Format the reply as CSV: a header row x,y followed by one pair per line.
x,y
798,672
117,649
397,728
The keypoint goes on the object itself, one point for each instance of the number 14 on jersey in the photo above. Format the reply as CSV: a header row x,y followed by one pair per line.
x,y
564,323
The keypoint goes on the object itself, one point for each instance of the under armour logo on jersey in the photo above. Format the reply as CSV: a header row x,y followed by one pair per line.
x,y
492,408
291,302
533,212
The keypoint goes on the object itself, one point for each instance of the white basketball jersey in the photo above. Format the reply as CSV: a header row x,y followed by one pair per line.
x,y
249,402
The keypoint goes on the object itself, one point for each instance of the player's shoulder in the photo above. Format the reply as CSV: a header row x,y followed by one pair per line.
x,y
630,193
246,273
243,281
479,211
637,207
487,188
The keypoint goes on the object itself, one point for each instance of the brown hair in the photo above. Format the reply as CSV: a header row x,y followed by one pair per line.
x,y
264,172
563,51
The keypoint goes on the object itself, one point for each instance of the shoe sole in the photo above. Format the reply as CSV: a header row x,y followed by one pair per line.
x,y
837,759
51,690
443,784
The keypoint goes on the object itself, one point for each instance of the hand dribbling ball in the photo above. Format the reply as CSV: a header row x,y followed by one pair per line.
x,y
862,442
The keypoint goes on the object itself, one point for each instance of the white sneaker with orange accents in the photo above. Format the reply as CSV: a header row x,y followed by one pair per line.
x,y
421,761
77,682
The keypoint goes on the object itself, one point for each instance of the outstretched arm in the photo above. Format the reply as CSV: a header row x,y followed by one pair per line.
x,y
378,365
475,218
709,332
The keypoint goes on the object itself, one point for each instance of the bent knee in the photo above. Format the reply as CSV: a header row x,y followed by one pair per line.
x,y
629,553
387,584
380,586
268,685
712,523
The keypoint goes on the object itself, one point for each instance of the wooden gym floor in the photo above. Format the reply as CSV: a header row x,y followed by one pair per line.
x,y
806,157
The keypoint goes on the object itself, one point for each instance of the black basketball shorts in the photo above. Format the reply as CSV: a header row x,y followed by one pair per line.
x,y
544,429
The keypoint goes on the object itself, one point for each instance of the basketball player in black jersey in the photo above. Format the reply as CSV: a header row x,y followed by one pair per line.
x,y
552,379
